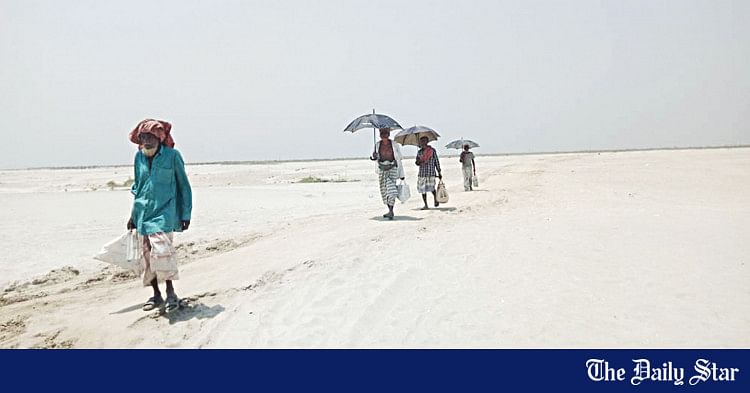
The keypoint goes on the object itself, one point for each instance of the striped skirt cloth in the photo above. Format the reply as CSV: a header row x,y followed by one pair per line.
x,y
388,189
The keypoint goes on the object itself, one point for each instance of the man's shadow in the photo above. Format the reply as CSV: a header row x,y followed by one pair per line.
x,y
396,218
190,310
440,209
187,311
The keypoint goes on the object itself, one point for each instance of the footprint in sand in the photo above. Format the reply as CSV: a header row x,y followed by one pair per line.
x,y
52,341
13,327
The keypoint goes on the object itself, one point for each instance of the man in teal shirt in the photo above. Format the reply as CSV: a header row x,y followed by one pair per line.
x,y
162,206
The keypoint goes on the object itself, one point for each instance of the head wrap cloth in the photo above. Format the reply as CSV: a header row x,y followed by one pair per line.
x,y
159,128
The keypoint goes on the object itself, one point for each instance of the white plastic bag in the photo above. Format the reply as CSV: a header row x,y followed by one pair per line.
x,y
124,251
442,193
403,191
475,181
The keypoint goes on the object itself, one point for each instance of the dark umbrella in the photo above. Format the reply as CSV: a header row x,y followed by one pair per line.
x,y
374,120
412,135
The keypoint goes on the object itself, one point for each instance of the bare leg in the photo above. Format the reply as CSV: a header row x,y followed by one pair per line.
x,y
156,300
434,195
389,215
170,288
173,302
424,198
155,286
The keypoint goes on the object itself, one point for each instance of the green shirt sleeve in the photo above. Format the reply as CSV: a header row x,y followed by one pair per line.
x,y
184,192
134,186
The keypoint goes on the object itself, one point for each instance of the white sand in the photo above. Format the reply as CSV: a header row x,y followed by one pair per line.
x,y
638,249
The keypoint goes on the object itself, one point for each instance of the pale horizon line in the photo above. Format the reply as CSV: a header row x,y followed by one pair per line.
x,y
261,162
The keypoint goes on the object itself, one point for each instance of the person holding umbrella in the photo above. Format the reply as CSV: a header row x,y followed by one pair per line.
x,y
467,160
429,168
468,166
388,155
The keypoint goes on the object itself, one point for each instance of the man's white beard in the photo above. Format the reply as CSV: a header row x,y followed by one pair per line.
x,y
149,152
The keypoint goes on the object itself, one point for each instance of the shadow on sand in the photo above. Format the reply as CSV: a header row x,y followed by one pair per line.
x,y
187,311
396,218
128,309
440,209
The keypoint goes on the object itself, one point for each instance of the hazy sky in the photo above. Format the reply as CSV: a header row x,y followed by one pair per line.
x,y
254,80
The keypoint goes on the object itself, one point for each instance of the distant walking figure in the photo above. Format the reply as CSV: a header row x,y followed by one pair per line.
x,y
469,167
429,168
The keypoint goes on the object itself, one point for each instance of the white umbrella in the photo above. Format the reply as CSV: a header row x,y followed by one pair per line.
x,y
412,135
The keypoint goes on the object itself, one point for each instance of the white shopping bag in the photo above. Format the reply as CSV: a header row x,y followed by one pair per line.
x,y
124,251
442,193
475,181
403,191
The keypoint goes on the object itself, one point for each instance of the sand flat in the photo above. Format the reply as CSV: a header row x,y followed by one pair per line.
x,y
630,249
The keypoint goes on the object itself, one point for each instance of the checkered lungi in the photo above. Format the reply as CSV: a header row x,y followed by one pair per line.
x,y
426,184
388,189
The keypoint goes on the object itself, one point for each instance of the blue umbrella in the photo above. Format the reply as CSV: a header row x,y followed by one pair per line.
x,y
373,120
412,135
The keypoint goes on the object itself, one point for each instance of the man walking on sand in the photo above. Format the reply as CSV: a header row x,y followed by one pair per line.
x,y
429,167
162,206
388,155
469,167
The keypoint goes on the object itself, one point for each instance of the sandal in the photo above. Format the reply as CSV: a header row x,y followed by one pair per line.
x,y
173,303
152,303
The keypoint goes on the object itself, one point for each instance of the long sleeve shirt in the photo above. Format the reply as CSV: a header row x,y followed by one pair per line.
x,y
162,192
